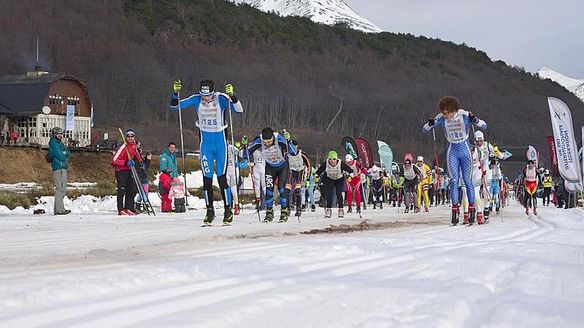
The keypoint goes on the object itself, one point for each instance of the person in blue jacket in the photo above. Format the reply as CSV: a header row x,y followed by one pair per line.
x,y
211,108
168,160
457,123
274,150
59,155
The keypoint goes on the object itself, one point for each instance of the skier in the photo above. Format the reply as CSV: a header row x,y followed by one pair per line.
x,y
354,183
412,177
125,182
397,187
333,181
274,151
234,165
457,123
495,179
256,161
548,183
211,107
311,186
424,185
376,185
530,185
480,191
299,165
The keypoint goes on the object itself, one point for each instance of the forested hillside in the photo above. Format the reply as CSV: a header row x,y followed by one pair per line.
x,y
289,72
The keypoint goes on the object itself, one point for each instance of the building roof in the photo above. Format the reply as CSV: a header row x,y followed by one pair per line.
x,y
22,94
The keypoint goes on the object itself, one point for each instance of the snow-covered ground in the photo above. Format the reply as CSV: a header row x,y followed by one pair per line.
x,y
101,270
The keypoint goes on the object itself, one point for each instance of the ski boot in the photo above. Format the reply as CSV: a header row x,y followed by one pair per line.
x,y
497,209
407,209
380,205
328,212
393,204
236,209
426,209
527,211
283,215
455,213
341,213
471,214
269,215
350,209
227,215
312,208
465,218
364,207
486,215
374,205
535,211
480,218
299,211
258,203
210,216
417,210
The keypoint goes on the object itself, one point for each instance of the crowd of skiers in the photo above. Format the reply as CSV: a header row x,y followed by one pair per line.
x,y
471,178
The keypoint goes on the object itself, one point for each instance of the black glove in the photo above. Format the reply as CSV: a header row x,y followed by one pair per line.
x,y
431,122
472,118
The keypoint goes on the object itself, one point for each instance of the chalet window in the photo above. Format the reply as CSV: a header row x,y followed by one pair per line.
x,y
55,100
73,101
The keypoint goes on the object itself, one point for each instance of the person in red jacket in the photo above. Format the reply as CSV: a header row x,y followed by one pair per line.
x,y
354,183
125,182
164,188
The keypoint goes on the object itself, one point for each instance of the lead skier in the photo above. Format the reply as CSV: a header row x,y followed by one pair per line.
x,y
211,107
457,123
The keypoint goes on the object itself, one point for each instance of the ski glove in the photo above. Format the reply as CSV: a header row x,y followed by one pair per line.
x,y
130,163
143,166
244,141
431,122
287,136
177,86
472,118
229,89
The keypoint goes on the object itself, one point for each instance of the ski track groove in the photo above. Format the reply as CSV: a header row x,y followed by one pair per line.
x,y
9,274
139,308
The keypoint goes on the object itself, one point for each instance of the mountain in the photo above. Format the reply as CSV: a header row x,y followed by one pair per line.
x,y
573,85
320,82
329,12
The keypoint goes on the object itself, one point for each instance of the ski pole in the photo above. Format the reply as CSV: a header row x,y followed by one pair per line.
x,y
236,201
253,183
436,156
182,147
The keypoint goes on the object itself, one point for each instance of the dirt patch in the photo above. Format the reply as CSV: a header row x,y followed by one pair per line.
x,y
365,226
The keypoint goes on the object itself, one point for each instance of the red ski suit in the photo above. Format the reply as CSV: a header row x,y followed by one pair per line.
x,y
164,188
354,183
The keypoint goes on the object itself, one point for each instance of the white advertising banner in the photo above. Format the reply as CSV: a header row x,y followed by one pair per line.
x,y
70,118
566,149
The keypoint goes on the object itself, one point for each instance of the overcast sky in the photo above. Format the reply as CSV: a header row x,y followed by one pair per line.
x,y
527,33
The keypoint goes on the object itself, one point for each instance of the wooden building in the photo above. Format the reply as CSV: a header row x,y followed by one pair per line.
x,y
23,97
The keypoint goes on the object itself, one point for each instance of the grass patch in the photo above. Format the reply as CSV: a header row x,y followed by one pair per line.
x,y
12,200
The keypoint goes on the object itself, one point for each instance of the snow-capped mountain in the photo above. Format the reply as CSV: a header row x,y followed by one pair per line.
x,y
327,12
573,85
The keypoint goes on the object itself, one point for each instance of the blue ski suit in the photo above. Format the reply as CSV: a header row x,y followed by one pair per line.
x,y
458,154
213,147
277,168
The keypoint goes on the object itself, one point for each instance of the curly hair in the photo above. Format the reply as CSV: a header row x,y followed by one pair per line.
x,y
449,104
